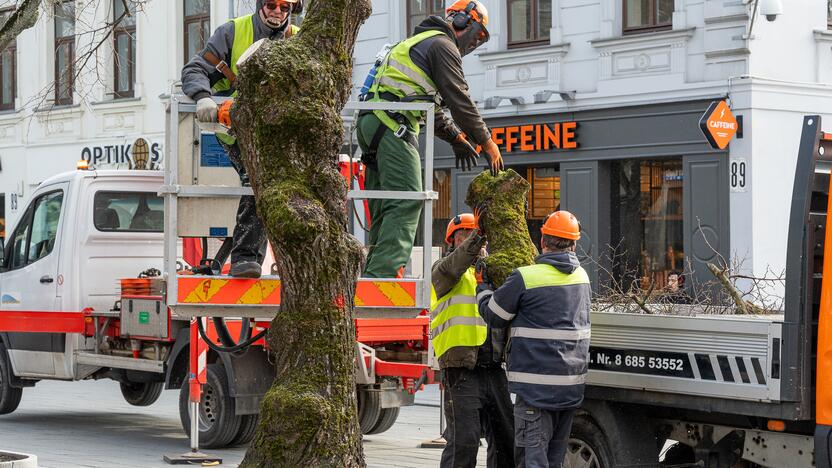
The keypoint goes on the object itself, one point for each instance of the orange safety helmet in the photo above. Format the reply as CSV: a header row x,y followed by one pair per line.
x,y
562,224
478,12
462,221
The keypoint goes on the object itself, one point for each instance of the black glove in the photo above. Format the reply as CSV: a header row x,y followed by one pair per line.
x,y
481,271
479,215
466,155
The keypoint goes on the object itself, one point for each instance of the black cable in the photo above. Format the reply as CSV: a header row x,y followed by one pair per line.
x,y
224,349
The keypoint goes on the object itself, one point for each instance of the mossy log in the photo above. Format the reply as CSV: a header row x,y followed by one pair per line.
x,y
509,244
287,120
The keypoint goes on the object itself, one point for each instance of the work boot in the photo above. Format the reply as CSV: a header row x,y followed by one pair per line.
x,y
246,270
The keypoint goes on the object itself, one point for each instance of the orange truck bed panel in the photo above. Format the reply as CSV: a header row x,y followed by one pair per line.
x,y
266,291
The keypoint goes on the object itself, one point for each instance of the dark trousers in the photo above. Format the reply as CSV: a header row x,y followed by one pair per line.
x,y
248,242
541,435
475,401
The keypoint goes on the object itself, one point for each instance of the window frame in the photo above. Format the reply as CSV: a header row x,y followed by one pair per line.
x,y
653,25
828,14
430,12
187,20
535,41
26,221
121,192
12,50
120,30
58,42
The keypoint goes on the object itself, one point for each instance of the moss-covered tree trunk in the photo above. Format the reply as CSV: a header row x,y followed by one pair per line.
x,y
509,244
287,119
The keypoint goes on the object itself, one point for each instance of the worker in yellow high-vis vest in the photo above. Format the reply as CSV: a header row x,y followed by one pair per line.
x,y
426,67
470,355
213,72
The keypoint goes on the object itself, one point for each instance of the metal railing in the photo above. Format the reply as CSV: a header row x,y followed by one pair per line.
x,y
174,189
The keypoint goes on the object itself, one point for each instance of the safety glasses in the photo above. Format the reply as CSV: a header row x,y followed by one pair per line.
x,y
284,7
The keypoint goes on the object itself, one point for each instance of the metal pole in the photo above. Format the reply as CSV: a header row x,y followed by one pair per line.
x,y
427,218
195,390
441,411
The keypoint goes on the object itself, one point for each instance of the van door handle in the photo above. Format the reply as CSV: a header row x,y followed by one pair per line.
x,y
46,279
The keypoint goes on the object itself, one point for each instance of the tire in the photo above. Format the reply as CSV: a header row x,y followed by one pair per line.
x,y
141,393
218,425
369,409
248,426
385,421
588,446
9,396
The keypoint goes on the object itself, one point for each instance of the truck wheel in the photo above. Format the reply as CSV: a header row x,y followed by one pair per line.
x,y
217,422
385,421
248,426
141,393
9,396
588,446
369,409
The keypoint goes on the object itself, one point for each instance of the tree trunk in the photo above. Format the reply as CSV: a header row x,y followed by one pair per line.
x,y
287,119
509,244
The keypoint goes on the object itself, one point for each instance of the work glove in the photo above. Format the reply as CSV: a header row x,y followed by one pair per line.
x,y
466,154
490,148
206,110
481,273
479,216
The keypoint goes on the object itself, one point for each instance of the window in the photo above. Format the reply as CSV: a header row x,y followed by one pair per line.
x,y
418,10
34,238
544,198
124,38
45,226
529,22
647,15
64,51
647,222
8,70
829,14
197,26
128,212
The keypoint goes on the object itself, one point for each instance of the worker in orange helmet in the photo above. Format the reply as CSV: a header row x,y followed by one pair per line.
x,y
426,67
470,354
546,307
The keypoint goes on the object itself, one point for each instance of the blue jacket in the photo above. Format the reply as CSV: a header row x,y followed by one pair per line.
x,y
547,307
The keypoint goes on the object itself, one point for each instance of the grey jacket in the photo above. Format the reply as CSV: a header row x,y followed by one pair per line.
x,y
198,75
445,274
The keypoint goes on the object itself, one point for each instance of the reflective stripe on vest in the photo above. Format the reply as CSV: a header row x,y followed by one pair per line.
x,y
544,379
549,334
455,320
400,76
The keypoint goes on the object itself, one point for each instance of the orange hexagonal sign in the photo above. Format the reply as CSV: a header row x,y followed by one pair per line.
x,y
718,124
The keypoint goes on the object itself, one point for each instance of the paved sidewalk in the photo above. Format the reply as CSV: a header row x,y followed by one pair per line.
x,y
87,424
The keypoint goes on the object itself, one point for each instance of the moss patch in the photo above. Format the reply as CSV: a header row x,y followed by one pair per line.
x,y
509,244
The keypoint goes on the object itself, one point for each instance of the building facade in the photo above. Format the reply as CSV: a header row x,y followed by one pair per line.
x,y
595,102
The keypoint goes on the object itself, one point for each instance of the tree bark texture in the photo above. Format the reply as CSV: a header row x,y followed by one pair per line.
x,y
509,244
288,123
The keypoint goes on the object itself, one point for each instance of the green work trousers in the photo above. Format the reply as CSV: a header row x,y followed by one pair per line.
x,y
392,222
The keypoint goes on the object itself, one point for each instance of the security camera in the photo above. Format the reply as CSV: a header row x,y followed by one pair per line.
x,y
771,9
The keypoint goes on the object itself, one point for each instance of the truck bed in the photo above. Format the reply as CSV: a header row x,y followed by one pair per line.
x,y
724,356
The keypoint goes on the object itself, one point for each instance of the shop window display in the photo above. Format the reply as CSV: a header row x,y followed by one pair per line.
x,y
647,234
543,199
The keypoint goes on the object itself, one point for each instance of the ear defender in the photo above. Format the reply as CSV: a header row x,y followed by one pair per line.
x,y
462,18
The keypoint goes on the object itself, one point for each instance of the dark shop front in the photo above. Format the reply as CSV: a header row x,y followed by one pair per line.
x,y
651,194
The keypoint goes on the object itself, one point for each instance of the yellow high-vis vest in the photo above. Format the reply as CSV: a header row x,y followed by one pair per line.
x,y
398,75
454,317
243,39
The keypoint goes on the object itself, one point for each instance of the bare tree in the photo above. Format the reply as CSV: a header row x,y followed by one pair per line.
x,y
289,126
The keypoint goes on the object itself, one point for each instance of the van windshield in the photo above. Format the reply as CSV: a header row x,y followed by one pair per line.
x,y
128,212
